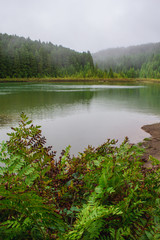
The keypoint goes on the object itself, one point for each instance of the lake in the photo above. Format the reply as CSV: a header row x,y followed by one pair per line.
x,y
81,114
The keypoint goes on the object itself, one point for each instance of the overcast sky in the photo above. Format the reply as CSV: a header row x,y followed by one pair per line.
x,y
83,25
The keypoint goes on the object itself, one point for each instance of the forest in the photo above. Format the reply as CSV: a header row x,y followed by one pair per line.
x,y
142,61
25,58
20,57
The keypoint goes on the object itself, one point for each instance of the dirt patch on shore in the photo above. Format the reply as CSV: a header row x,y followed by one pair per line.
x,y
152,145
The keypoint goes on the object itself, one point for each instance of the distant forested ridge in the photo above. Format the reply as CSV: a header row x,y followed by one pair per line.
x,y
20,57
24,58
135,61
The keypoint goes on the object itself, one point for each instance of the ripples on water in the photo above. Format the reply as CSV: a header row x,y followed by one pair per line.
x,y
81,114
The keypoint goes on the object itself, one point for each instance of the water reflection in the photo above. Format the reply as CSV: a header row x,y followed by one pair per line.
x,y
81,114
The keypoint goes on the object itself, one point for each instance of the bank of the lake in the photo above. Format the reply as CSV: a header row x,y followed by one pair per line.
x,y
75,79
152,144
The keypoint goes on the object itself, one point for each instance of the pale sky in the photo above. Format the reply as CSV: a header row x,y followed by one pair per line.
x,y
83,25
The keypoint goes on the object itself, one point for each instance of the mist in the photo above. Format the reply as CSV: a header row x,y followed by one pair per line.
x,y
83,25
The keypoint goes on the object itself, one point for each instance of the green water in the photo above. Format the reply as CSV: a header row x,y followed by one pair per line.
x,y
81,114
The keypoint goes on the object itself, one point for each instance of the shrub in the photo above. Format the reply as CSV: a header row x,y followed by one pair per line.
x,y
24,161
124,203
104,193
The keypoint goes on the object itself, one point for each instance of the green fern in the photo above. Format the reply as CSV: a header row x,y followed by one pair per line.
x,y
104,193
24,163
119,204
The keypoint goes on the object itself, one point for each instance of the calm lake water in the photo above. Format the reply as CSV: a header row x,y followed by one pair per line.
x,y
81,114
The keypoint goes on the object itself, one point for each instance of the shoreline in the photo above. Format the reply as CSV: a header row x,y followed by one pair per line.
x,y
72,79
152,144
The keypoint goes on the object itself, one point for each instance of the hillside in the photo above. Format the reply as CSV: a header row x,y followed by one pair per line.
x,y
24,58
20,57
134,61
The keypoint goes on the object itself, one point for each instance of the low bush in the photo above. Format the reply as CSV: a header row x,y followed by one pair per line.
x,y
104,193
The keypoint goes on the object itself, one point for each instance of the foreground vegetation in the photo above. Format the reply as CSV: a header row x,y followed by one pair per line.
x,y
104,193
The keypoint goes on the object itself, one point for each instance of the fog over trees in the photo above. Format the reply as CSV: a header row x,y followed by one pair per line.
x,y
24,58
20,57
135,61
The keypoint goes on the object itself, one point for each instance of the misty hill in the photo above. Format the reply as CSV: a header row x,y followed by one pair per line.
x,y
126,51
21,57
139,61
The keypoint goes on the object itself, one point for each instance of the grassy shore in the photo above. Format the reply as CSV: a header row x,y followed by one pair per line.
x,y
74,79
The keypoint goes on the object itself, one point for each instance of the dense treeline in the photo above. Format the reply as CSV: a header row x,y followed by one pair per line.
x,y
24,58
20,57
135,61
